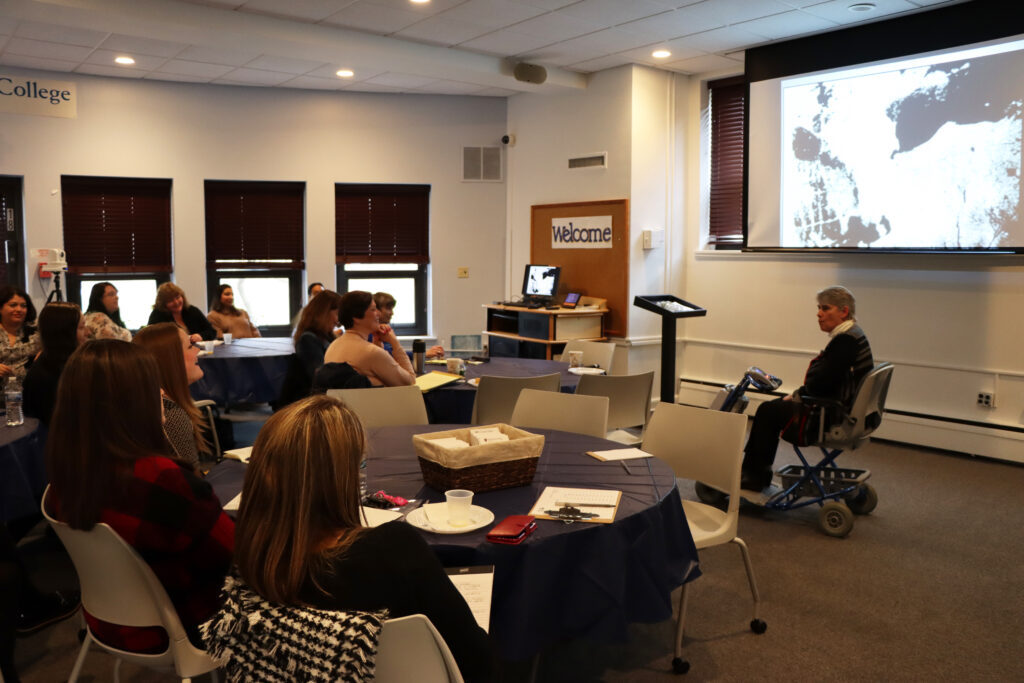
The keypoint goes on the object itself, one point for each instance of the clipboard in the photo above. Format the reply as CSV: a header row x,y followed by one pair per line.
x,y
604,503
619,454
435,379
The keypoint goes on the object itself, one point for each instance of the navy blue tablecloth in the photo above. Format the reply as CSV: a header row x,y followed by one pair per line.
x,y
245,371
565,581
22,469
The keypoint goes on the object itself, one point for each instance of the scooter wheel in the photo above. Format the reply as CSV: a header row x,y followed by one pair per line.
x,y
835,519
680,665
758,626
863,500
708,494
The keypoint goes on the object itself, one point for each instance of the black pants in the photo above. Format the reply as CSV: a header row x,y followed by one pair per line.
x,y
759,454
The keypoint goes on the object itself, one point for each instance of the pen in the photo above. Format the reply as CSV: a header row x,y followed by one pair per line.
x,y
585,505
625,466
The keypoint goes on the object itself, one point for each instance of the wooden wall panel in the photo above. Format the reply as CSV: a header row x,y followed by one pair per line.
x,y
593,272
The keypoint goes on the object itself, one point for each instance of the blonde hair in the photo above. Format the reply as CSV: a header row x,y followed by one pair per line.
x,y
300,500
168,292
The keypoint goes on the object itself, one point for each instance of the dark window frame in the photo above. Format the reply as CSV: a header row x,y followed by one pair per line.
x,y
422,277
213,278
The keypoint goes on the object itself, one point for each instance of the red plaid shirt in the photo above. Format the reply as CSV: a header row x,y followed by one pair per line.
x,y
174,521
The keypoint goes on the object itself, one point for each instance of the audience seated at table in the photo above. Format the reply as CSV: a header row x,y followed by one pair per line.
x,y
300,542
313,335
172,306
20,345
385,311
108,461
225,318
359,318
177,358
103,315
61,330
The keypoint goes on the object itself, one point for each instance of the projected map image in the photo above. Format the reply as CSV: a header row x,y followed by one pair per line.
x,y
925,157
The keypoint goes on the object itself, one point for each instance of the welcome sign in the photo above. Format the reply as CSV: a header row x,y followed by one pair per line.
x,y
38,97
586,232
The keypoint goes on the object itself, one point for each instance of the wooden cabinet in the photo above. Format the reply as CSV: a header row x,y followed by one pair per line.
x,y
541,333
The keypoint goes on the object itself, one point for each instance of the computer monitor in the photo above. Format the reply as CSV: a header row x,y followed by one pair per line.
x,y
540,281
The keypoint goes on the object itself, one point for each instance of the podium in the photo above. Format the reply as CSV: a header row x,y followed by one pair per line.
x,y
670,308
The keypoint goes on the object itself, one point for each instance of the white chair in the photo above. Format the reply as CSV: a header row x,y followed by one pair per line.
x,y
629,402
496,396
120,588
594,353
706,446
568,412
411,649
385,406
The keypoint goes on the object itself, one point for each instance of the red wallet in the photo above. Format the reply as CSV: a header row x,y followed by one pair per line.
x,y
512,530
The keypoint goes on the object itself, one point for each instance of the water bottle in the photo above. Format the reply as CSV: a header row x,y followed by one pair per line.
x,y
419,352
12,396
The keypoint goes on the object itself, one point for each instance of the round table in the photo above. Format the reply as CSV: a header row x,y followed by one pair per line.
x,y
245,371
22,469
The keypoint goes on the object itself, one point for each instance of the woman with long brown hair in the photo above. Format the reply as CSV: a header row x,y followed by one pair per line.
x,y
20,344
108,461
172,306
177,356
299,539
61,330
227,319
313,335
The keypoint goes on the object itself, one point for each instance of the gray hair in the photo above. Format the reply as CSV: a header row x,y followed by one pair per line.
x,y
838,296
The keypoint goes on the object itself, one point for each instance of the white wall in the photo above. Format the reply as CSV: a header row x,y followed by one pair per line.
x,y
191,133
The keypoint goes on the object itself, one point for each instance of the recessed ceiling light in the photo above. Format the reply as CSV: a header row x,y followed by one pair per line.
x,y
127,61
661,54
861,7
419,2
345,73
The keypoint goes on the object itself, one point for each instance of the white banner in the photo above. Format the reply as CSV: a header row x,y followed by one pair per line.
x,y
586,232
38,97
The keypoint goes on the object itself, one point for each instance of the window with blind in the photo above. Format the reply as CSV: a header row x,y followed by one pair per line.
x,y
727,99
382,244
255,243
117,230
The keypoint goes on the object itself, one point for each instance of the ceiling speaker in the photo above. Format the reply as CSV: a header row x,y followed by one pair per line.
x,y
530,73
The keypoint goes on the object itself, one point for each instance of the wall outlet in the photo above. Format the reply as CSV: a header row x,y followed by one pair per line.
x,y
462,272
986,399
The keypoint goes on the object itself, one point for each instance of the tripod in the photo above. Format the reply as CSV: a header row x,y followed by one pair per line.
x,y
56,294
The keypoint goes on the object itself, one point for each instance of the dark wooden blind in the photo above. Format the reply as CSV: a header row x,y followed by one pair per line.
x,y
382,223
254,224
117,225
727,99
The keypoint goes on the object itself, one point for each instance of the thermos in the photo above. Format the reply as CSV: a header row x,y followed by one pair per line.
x,y
419,352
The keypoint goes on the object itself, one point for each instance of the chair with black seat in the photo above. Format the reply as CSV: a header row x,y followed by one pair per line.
x,y
411,649
118,587
338,376
496,396
385,406
629,402
706,446
567,412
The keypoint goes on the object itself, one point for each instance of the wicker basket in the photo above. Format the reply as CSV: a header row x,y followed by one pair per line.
x,y
507,463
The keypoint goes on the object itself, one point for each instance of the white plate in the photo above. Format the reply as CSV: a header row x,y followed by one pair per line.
x,y
586,371
437,522
376,516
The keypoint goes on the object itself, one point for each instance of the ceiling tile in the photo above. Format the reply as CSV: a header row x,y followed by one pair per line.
x,y
443,87
46,50
229,4
423,10
496,92
284,64
7,26
705,64
199,69
37,62
670,25
3,41
366,86
297,10
600,64
398,80
723,39
255,76
505,42
724,12
837,11
135,46
219,55
175,78
679,48
586,47
311,83
442,31
549,5
613,12
786,25
115,71
374,18
60,34
142,62
492,13
557,27
362,72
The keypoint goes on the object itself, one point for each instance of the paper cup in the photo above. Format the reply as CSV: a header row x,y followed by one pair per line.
x,y
575,359
459,502
455,366
208,346
227,337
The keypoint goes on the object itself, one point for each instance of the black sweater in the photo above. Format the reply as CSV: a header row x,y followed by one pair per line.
x,y
195,322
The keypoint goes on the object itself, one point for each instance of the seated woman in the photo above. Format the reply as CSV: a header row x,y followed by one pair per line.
x,y
300,540
313,335
103,316
61,330
20,345
359,317
177,358
226,318
172,307
386,310
834,373
108,461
